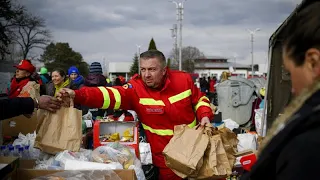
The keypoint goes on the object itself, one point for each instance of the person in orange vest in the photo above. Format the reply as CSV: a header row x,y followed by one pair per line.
x,y
161,97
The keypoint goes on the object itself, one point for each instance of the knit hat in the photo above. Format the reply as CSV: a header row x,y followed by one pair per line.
x,y
43,70
73,69
95,68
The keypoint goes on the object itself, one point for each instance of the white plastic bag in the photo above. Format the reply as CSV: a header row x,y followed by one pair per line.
x,y
28,140
247,142
258,122
145,153
83,165
230,124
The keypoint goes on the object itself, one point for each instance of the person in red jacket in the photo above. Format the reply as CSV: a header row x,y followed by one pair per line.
x,y
162,99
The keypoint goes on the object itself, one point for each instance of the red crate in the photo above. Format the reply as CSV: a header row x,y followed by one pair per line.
x,y
101,127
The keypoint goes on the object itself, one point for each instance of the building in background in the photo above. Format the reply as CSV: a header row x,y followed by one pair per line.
x,y
119,69
215,65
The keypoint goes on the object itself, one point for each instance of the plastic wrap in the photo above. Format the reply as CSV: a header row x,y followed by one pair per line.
x,y
81,175
83,165
49,162
114,152
28,140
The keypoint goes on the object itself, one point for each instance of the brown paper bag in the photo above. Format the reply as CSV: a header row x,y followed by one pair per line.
x,y
184,153
59,131
215,161
230,142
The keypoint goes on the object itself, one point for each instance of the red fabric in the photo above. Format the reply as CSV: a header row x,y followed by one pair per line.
x,y
211,86
167,174
16,87
25,65
154,116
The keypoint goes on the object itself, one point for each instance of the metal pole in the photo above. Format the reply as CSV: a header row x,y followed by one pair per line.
x,y
252,70
138,55
180,43
252,33
179,8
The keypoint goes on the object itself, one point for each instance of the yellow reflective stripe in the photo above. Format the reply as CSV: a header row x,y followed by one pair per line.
x,y
180,96
106,97
165,132
150,101
202,104
204,98
193,124
117,97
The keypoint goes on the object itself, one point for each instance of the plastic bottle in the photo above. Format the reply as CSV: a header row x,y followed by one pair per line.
x,y
3,151
26,153
20,152
11,151
16,150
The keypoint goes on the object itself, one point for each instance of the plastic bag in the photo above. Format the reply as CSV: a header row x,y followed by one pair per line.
x,y
87,116
82,155
137,167
114,152
28,140
258,122
83,165
145,153
230,124
82,175
247,141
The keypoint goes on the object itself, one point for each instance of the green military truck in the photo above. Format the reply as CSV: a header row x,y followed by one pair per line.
x,y
279,84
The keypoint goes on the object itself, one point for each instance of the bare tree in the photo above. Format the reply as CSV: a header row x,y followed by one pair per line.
x,y
189,55
8,12
31,33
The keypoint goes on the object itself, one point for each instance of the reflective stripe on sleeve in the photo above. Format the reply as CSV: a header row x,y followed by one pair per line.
x,y
117,97
201,103
180,96
150,101
165,132
106,98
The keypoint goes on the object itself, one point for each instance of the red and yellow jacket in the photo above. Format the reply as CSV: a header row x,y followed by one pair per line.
x,y
178,102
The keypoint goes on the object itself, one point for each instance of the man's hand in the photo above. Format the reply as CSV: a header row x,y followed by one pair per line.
x,y
204,121
49,103
65,95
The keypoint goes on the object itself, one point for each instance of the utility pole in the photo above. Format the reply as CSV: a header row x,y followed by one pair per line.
x,y
138,54
174,32
252,33
180,12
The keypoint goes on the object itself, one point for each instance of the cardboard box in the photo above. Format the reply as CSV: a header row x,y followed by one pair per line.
x,y
8,166
101,128
22,124
26,172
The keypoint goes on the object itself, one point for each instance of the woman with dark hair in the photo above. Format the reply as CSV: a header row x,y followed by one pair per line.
x,y
290,151
59,80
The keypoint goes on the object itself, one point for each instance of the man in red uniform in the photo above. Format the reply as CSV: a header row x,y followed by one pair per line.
x,y
162,99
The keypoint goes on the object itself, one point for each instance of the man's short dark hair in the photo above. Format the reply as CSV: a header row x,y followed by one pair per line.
x,y
303,33
154,54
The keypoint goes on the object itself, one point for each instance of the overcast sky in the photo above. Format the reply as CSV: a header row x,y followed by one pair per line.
x,y
112,28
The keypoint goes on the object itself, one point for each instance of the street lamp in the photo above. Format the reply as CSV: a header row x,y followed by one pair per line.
x,y
138,54
252,33
179,7
175,44
235,61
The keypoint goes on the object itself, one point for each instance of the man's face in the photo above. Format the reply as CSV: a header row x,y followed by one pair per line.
x,y
152,72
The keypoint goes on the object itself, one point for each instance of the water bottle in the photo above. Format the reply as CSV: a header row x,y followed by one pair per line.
x,y
26,153
16,150
20,152
3,151
11,151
